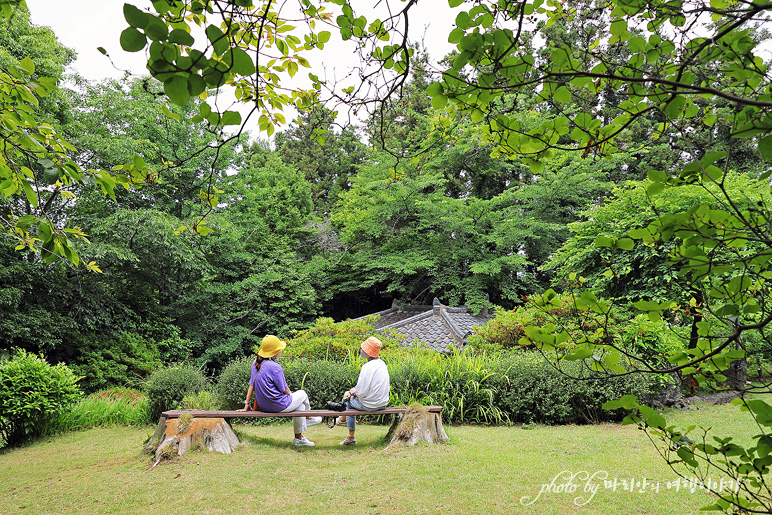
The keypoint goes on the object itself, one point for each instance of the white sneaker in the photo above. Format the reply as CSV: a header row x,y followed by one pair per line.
x,y
303,442
313,421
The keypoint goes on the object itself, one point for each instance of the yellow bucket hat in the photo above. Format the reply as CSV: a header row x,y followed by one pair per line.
x,y
271,346
372,346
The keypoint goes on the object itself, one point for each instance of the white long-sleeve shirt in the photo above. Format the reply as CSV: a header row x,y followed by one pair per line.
x,y
373,385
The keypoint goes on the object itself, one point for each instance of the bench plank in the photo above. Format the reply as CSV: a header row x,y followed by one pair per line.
x,y
308,413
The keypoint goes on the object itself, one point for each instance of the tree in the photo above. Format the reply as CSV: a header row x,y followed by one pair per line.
x,y
667,61
327,158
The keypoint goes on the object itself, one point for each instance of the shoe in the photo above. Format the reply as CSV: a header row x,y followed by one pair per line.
x,y
303,442
349,442
313,421
340,421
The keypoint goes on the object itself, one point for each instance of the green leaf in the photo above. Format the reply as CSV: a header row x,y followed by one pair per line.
x,y
435,88
181,37
217,38
562,95
28,65
439,101
242,63
765,147
176,89
646,305
135,17
231,118
132,40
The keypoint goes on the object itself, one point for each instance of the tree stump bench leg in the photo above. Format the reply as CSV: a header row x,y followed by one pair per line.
x,y
175,437
417,425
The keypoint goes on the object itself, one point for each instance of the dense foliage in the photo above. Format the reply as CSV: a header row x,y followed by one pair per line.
x,y
168,386
462,185
32,393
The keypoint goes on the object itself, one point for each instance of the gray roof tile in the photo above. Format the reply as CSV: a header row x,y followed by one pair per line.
x,y
420,326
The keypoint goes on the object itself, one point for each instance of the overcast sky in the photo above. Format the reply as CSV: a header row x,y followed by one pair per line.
x,y
85,25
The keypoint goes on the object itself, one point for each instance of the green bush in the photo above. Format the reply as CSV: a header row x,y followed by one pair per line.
x,y
232,385
529,389
651,339
478,388
113,407
322,380
167,386
504,331
331,341
203,400
32,392
122,359
507,387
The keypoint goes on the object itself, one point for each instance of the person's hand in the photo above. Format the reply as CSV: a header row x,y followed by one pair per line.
x,y
242,409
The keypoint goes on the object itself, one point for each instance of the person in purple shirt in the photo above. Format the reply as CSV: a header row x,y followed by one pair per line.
x,y
272,393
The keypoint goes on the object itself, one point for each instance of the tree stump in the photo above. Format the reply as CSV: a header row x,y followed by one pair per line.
x,y
417,425
176,436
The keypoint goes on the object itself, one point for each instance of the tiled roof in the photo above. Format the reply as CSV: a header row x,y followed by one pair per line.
x,y
394,315
437,327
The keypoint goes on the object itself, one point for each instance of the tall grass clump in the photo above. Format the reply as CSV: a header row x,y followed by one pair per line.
x,y
464,384
105,408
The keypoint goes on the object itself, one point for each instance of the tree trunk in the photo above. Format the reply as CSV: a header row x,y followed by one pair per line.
x,y
417,425
185,433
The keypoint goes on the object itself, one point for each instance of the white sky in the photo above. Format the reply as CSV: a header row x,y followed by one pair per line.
x,y
84,25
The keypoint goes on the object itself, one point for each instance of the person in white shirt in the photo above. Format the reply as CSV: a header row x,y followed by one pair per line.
x,y
371,392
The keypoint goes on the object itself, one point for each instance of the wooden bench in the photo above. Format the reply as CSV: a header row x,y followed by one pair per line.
x,y
207,428
291,414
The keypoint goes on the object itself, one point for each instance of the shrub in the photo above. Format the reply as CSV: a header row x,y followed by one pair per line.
x,y
323,380
508,387
122,359
167,386
32,392
651,339
505,331
331,341
529,389
232,385
113,407
203,400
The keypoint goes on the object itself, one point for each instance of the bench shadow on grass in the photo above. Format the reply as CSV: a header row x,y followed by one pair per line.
x,y
280,441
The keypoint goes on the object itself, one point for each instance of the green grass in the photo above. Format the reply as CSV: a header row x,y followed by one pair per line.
x,y
483,470
115,406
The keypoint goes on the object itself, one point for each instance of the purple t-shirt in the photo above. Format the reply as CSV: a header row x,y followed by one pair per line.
x,y
269,384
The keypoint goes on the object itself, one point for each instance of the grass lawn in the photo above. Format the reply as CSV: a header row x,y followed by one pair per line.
x,y
482,470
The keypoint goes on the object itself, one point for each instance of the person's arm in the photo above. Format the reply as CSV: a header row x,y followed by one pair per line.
x,y
249,396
